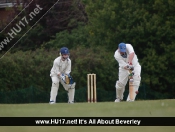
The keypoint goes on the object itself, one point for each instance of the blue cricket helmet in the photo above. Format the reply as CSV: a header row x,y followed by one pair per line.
x,y
64,50
122,47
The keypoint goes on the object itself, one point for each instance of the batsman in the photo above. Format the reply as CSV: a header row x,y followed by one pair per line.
x,y
60,72
129,69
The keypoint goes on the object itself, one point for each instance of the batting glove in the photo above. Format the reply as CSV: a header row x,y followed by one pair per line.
x,y
131,73
130,67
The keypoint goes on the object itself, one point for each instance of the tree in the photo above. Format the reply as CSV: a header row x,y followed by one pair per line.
x,y
64,15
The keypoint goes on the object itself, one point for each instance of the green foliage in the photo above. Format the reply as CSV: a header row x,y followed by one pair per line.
x,y
94,60
63,16
32,68
25,69
148,26
76,37
32,39
25,76
27,95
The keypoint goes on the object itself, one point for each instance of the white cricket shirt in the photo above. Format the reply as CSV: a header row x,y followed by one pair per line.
x,y
124,61
59,66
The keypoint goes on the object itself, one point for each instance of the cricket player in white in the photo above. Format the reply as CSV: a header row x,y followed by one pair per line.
x,y
127,59
61,67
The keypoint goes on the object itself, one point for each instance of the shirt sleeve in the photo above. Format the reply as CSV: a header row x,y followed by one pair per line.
x,y
68,69
130,48
56,67
120,60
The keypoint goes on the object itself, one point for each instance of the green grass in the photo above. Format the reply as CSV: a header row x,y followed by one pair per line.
x,y
149,108
154,108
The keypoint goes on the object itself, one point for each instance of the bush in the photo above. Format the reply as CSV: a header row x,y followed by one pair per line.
x,y
21,70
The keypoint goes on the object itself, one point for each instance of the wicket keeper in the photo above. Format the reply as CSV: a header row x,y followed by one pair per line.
x,y
60,72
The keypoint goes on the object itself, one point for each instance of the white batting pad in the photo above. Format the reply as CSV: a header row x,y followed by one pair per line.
x,y
135,90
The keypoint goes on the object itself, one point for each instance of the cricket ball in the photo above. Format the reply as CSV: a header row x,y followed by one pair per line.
x,y
137,92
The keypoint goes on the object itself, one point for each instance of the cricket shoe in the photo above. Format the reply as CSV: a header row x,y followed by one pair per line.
x,y
117,100
130,101
71,102
52,102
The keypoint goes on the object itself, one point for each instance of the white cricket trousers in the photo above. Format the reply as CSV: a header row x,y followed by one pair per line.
x,y
123,79
55,87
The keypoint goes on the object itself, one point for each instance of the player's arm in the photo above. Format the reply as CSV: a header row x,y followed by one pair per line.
x,y
68,69
120,61
56,65
131,53
131,56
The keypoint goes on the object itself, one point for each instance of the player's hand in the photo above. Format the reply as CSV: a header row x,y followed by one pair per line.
x,y
131,73
129,67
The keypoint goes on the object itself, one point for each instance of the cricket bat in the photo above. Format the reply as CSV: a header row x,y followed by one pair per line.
x,y
131,87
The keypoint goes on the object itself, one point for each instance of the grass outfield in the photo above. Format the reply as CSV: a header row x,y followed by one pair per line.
x,y
154,108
